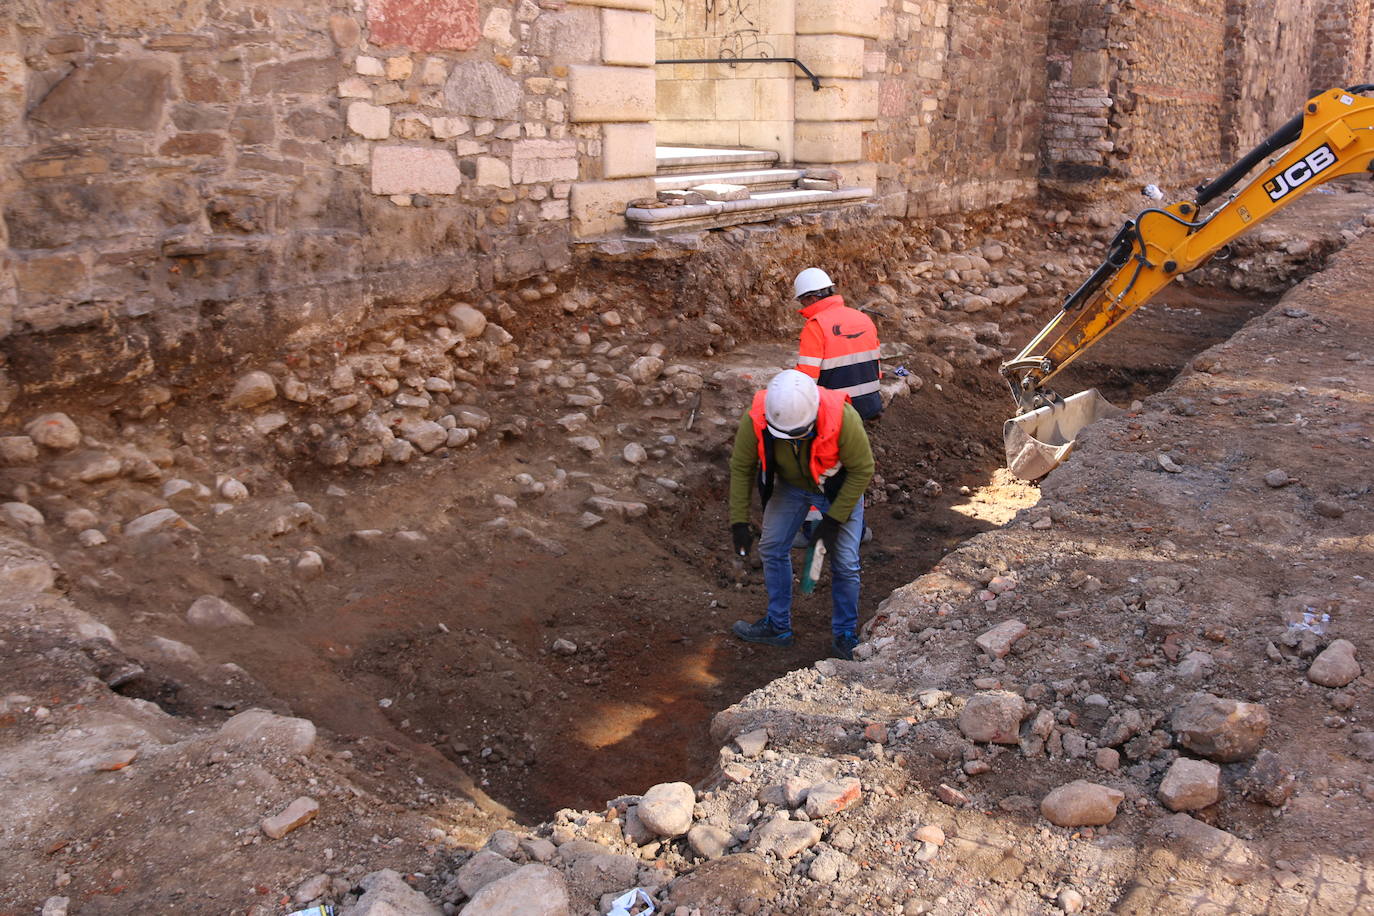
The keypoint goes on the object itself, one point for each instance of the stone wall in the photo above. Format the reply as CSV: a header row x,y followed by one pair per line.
x,y
1341,51
1169,91
219,181
185,181
960,103
1269,54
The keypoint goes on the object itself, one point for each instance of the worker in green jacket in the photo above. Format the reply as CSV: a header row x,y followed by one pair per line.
x,y
805,446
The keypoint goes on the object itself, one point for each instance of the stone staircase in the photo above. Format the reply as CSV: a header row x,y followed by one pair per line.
x,y
705,188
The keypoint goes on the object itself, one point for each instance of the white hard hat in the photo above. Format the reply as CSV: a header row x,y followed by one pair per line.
x,y
810,280
791,404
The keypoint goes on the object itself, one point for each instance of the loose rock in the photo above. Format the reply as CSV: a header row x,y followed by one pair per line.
x,y
752,743
252,389
387,894
297,814
1335,666
55,431
1269,781
666,809
783,838
709,842
832,797
209,611
994,716
997,642
1224,730
1190,784
482,869
1081,804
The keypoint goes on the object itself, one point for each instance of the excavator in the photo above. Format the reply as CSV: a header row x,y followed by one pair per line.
x,y
1332,136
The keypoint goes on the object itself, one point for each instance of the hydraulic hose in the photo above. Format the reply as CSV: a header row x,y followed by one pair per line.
x,y
1285,135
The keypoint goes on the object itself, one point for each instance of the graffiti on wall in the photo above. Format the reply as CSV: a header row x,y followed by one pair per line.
x,y
731,27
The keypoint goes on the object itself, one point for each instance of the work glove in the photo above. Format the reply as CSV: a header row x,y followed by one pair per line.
x,y
828,532
743,535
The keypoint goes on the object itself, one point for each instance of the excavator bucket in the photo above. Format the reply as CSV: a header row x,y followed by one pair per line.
x,y
1039,440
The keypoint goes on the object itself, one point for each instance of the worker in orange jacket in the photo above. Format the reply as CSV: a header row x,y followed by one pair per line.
x,y
839,345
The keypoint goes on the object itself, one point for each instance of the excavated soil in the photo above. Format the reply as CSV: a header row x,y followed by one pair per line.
x,y
429,659
454,633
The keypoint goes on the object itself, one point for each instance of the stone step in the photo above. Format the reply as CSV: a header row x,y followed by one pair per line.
x,y
765,205
754,179
673,159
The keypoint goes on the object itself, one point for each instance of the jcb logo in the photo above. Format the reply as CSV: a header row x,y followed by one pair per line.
x,y
1300,172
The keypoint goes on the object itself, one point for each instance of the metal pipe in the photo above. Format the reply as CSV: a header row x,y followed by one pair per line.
x,y
815,80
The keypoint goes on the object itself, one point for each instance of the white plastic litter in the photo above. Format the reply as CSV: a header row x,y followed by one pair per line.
x,y
1311,621
625,904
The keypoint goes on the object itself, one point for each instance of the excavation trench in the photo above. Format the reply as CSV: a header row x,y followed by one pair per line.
x,y
449,642
441,650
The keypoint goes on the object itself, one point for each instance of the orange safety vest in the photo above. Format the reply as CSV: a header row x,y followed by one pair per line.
x,y
839,349
825,463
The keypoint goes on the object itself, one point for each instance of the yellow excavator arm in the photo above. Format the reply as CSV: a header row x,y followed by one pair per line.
x,y
1332,136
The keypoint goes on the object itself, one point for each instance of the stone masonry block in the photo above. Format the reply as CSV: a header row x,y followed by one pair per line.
x,y
534,161
860,18
423,25
828,141
839,56
124,94
645,6
413,170
696,133
838,100
627,150
492,172
775,19
773,99
735,100
611,93
14,75
627,38
598,207
770,135
368,120
686,100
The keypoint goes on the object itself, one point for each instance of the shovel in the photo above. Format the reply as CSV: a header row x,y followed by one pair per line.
x,y
1039,440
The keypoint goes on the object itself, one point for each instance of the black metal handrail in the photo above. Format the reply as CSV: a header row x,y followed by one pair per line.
x,y
815,80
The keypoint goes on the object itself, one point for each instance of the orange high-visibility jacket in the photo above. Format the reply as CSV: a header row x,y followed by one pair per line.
x,y
839,349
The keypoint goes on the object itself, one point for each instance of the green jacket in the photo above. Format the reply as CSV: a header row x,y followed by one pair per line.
x,y
791,457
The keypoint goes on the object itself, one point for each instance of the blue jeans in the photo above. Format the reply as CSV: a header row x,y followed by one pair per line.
x,y
784,516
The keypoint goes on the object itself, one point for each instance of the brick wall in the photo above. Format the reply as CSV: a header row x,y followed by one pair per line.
x,y
961,103
1269,53
1341,50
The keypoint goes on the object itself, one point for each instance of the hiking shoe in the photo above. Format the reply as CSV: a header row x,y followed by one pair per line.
x,y
843,646
762,632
